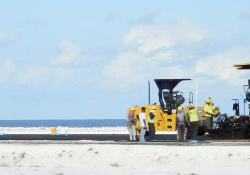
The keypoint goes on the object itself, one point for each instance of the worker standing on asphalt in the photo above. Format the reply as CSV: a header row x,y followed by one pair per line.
x,y
187,129
209,112
194,122
181,124
151,123
143,124
131,125
137,127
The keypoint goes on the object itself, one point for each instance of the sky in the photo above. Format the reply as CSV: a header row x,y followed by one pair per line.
x,y
92,59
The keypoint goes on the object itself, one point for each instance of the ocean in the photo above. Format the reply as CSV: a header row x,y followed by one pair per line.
x,y
66,123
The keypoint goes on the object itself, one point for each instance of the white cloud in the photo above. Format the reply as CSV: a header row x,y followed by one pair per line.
x,y
131,69
7,69
63,73
61,68
33,75
150,38
125,70
70,53
37,75
163,56
155,54
220,65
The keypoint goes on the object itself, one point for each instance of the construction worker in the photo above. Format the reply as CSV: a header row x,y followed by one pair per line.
x,y
151,122
143,125
209,112
194,118
137,127
181,124
186,132
131,124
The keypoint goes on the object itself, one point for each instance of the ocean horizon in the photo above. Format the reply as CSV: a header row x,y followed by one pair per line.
x,y
64,122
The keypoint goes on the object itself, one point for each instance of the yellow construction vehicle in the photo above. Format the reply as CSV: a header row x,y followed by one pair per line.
x,y
233,127
165,113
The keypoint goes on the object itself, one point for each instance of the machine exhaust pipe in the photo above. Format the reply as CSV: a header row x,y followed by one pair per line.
x,y
149,93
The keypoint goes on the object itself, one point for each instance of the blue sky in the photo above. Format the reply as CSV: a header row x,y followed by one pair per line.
x,y
92,59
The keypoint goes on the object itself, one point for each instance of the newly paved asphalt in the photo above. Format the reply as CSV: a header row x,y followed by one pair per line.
x,y
121,139
96,137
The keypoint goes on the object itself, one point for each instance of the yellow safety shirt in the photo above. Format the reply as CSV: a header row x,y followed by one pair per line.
x,y
193,115
151,120
208,110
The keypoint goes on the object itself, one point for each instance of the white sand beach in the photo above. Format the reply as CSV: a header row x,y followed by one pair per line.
x,y
64,130
92,157
80,159
68,130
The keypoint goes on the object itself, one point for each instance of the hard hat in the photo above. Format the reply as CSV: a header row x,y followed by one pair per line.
x,y
191,106
153,107
180,108
208,100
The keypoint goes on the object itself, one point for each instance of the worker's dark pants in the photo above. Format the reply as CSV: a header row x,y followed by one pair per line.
x,y
180,132
209,123
151,128
193,130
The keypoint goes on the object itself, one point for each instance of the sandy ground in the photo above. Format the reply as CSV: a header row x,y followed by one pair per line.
x,y
80,159
67,130
64,130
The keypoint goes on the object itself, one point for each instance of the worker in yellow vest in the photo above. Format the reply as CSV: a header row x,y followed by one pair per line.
x,y
209,113
151,122
193,118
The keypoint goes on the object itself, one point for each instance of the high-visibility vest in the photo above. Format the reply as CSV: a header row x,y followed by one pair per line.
x,y
193,115
151,118
209,109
